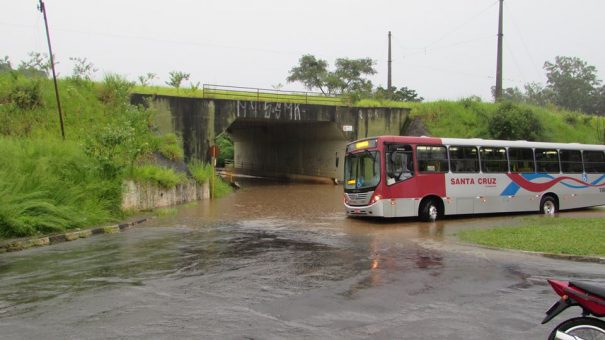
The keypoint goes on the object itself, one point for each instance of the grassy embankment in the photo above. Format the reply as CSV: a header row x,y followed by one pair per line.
x,y
50,185
565,236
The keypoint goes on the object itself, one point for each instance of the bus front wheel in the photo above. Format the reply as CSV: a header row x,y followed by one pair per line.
x,y
429,210
548,205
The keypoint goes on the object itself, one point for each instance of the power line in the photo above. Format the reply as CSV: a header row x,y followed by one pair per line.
x,y
152,39
426,51
450,32
531,58
465,73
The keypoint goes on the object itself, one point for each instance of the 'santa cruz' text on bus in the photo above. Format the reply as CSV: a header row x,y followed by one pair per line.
x,y
471,181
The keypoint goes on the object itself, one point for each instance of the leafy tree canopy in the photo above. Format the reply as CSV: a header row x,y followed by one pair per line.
x,y
348,77
573,83
404,94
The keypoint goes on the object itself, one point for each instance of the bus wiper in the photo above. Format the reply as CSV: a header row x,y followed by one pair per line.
x,y
371,155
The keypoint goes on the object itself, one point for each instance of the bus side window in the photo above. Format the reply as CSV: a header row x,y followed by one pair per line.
x,y
571,161
547,160
399,163
464,159
594,161
521,160
493,159
432,159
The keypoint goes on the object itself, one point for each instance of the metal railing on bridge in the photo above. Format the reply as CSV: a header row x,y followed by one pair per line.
x,y
267,95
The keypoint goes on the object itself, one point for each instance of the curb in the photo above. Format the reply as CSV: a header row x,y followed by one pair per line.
x,y
22,244
577,258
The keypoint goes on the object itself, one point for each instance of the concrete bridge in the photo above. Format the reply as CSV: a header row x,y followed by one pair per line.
x,y
271,138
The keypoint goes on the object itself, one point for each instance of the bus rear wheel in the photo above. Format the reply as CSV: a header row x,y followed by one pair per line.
x,y
548,205
429,210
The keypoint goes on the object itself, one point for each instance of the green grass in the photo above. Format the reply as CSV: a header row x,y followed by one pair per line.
x,y
567,236
221,188
50,185
164,177
202,172
169,146
242,95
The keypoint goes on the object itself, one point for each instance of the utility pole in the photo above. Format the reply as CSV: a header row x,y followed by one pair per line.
x,y
498,93
42,9
389,83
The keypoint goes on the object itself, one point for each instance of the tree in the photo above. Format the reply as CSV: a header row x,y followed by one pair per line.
x,y
146,79
600,101
38,65
312,72
573,82
404,94
176,78
537,94
347,78
83,69
350,72
5,65
511,94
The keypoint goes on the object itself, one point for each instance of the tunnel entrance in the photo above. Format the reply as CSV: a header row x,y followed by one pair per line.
x,y
288,149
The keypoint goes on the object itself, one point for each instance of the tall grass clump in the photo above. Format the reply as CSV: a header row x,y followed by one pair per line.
x,y
221,188
202,172
164,177
50,185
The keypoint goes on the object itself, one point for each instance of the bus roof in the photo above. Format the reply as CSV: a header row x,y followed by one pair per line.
x,y
484,142
521,144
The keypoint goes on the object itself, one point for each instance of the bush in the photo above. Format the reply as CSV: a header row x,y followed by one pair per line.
x,y
26,94
225,145
164,177
510,122
115,90
170,147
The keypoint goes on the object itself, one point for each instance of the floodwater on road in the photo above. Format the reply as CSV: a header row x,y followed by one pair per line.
x,y
277,261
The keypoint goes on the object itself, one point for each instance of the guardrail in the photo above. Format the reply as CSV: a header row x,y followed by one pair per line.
x,y
255,94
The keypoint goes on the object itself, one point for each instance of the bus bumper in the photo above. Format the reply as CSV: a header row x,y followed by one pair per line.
x,y
376,209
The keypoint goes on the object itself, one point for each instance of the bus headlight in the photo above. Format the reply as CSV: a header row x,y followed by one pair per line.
x,y
375,199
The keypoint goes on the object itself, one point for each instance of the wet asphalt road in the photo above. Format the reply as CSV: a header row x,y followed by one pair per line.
x,y
282,261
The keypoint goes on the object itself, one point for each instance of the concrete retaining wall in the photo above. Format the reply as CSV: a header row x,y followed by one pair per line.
x,y
145,196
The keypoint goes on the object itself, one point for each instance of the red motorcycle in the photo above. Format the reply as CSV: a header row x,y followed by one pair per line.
x,y
590,298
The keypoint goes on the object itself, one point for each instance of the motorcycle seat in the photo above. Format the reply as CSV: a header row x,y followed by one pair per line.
x,y
589,288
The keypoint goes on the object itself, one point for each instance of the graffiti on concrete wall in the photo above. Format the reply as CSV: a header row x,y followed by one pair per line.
x,y
283,111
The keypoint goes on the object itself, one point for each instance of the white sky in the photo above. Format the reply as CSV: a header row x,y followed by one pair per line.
x,y
444,49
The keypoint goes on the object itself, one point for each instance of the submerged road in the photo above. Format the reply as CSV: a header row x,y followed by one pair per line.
x,y
281,261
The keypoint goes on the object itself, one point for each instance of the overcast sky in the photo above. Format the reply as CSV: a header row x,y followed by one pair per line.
x,y
444,49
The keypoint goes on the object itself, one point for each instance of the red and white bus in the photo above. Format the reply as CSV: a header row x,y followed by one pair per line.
x,y
398,176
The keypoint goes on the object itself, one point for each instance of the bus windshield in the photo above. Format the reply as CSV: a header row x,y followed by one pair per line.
x,y
362,170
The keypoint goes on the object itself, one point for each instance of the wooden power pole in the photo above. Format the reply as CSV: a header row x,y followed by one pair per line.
x,y
498,93
42,9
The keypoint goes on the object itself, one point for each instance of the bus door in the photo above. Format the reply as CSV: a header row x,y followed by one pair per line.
x,y
399,170
464,171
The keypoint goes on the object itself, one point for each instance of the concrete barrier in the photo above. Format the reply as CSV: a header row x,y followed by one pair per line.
x,y
147,196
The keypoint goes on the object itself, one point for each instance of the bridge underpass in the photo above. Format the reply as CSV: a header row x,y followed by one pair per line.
x,y
293,150
273,139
